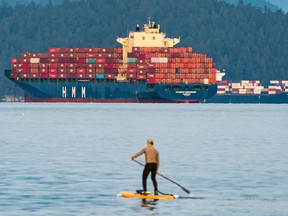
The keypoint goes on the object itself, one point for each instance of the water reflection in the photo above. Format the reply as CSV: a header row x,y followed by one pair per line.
x,y
151,205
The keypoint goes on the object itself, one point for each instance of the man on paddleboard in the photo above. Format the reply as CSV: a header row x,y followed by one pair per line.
x,y
152,165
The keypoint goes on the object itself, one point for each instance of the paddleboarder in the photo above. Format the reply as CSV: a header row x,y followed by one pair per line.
x,y
152,165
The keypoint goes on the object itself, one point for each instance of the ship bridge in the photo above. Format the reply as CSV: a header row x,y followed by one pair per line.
x,y
151,36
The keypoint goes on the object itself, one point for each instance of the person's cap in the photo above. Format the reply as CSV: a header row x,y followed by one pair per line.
x,y
150,141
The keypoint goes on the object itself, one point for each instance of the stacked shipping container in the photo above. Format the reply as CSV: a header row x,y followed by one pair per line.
x,y
153,65
62,63
251,87
170,65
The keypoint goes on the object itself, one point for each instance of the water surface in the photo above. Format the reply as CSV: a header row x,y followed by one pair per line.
x,y
73,159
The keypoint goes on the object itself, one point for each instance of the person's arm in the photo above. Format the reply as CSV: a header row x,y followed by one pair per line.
x,y
138,154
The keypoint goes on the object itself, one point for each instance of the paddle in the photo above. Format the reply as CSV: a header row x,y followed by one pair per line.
x,y
184,189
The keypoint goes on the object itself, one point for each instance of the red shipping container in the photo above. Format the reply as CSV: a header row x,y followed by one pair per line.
x,y
25,75
34,65
43,75
16,60
35,75
151,80
132,70
53,60
52,70
99,55
52,65
110,55
81,60
150,75
90,75
53,50
34,70
62,70
43,70
52,75
71,70
81,70
72,75
91,55
25,70
132,65
100,60
151,65
61,65
44,60
13,75
141,56
141,77
99,66
70,66
109,65
132,55
110,76
25,65
111,61
111,70
91,50
80,50
62,75
141,72
131,75
26,60
79,55
142,66
100,70
25,55
91,70
80,75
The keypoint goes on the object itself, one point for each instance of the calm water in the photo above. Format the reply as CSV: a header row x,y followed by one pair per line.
x,y
73,159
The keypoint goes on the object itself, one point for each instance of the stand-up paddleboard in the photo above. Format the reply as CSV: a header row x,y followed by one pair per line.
x,y
128,194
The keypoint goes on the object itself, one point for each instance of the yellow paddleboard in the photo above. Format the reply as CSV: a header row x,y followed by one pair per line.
x,y
128,194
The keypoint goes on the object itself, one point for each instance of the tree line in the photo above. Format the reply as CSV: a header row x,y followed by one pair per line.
x,y
248,42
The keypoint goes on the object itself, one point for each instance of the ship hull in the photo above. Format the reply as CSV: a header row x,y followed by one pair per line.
x,y
256,99
113,92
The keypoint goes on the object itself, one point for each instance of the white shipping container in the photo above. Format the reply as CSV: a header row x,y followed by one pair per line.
x,y
206,81
221,92
271,92
236,85
249,87
274,81
34,60
245,82
159,60
285,81
258,89
242,91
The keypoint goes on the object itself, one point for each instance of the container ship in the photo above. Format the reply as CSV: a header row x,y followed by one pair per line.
x,y
148,68
249,91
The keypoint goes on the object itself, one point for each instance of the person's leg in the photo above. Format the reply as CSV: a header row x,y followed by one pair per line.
x,y
144,177
153,178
